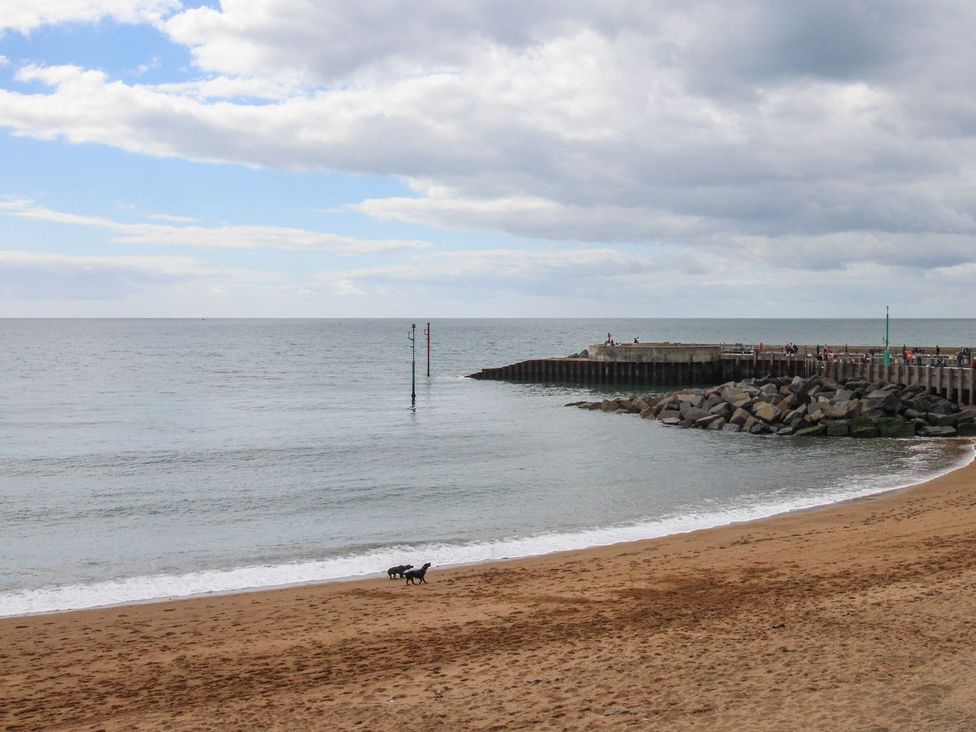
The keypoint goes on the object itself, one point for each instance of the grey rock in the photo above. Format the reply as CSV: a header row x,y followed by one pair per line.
x,y
895,427
704,422
731,427
690,412
937,431
767,412
838,427
942,420
722,408
739,417
866,428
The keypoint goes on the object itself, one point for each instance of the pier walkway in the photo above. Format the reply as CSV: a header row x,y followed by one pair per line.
x,y
682,364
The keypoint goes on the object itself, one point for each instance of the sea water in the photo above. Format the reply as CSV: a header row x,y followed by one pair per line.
x,y
142,459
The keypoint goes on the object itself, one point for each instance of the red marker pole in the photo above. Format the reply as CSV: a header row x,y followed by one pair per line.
x,y
427,332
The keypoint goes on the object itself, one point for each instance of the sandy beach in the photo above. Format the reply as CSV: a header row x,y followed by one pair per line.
x,y
855,616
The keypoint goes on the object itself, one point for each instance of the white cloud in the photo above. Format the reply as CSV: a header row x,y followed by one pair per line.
x,y
37,276
224,237
173,219
26,15
791,136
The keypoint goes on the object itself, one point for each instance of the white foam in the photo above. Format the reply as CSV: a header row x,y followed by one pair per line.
x,y
160,587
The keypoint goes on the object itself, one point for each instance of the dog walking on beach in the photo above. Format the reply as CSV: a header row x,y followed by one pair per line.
x,y
412,574
397,571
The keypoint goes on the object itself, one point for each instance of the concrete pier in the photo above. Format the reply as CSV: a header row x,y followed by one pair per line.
x,y
677,365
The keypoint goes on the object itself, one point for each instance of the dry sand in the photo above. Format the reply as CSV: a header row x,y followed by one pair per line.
x,y
856,616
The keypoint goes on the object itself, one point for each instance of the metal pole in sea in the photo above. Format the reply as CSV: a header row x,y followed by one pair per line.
x,y
427,333
412,337
887,351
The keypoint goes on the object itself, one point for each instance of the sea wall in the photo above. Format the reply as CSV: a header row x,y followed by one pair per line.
x,y
675,353
671,365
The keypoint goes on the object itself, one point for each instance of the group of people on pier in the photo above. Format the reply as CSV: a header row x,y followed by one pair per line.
x,y
962,357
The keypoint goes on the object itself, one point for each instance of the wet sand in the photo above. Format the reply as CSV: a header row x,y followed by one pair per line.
x,y
856,616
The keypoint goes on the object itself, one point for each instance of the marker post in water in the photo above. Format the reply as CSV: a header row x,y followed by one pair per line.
x,y
886,357
412,337
427,333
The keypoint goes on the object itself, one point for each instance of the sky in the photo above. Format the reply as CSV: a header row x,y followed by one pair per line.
x,y
452,158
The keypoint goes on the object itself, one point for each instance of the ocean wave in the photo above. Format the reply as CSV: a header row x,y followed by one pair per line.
x,y
373,562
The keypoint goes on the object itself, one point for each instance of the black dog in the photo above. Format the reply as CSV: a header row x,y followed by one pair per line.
x,y
412,574
398,571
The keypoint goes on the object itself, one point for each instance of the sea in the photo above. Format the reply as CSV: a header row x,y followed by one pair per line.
x,y
150,459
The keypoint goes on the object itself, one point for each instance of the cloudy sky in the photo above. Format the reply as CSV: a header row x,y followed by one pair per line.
x,y
645,158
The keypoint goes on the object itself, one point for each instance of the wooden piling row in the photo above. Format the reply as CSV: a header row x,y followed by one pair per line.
x,y
953,383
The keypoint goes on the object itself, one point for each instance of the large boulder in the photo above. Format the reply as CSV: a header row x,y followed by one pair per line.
x,y
711,400
723,409
895,427
862,426
767,412
937,431
739,417
717,424
787,403
694,399
838,427
815,430
842,410
706,421
966,429
942,420
688,411
731,427
933,403
967,414
731,394
671,421
743,402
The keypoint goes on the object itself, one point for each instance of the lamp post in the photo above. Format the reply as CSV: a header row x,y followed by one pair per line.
x,y
427,333
412,337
